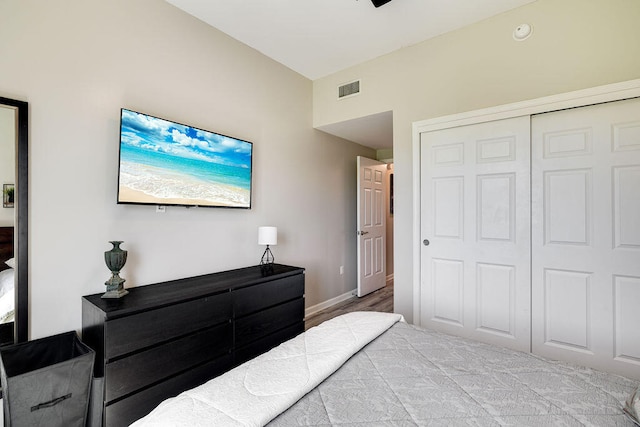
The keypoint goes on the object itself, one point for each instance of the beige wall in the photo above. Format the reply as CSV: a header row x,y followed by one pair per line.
x,y
7,160
576,44
77,63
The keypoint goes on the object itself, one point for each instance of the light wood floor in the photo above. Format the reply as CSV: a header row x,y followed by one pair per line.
x,y
380,300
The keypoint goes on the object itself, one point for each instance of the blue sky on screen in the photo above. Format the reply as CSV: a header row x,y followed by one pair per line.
x,y
159,135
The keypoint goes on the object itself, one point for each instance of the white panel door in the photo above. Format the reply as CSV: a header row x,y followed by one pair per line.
x,y
371,225
586,236
475,226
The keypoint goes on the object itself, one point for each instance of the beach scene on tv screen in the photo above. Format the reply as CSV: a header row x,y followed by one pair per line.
x,y
166,163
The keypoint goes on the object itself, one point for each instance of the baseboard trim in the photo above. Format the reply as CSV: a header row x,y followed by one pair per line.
x,y
389,278
329,303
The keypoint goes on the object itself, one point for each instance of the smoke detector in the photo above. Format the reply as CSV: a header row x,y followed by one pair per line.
x,y
522,32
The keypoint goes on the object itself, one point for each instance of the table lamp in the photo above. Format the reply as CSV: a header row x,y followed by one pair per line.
x,y
267,236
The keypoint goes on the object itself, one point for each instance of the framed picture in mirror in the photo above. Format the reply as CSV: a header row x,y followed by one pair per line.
x,y
8,195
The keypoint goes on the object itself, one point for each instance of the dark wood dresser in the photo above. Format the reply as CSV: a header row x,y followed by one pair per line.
x,y
162,339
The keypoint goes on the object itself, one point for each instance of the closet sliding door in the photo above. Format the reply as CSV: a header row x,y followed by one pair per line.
x,y
475,231
586,236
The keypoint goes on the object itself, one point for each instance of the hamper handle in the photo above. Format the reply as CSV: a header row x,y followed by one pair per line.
x,y
51,403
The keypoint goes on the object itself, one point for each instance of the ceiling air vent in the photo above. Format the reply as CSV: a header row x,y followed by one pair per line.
x,y
349,89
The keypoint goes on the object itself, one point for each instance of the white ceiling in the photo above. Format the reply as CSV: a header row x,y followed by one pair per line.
x,y
319,37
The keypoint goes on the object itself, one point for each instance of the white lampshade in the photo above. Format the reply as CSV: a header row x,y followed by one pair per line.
x,y
267,235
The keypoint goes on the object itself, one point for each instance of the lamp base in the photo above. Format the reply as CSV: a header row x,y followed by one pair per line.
x,y
266,263
266,269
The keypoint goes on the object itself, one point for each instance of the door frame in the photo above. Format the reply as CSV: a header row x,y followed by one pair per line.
x,y
579,98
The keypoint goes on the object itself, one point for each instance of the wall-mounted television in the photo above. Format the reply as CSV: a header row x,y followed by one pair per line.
x,y
168,163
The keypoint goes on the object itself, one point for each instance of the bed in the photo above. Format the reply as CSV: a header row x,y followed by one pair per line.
x,y
7,275
373,369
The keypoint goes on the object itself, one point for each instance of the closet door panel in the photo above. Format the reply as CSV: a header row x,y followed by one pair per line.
x,y
627,318
476,219
586,235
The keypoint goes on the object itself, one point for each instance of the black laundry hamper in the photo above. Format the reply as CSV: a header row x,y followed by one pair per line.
x,y
46,382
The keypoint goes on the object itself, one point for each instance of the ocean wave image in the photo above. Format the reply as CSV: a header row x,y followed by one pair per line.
x,y
163,162
149,184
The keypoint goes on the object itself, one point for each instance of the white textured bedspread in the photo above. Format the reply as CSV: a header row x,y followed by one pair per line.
x,y
256,392
410,377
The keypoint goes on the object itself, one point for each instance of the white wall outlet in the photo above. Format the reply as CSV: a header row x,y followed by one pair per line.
x,y
341,270
161,209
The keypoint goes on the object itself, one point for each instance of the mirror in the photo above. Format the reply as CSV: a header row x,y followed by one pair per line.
x,y
18,203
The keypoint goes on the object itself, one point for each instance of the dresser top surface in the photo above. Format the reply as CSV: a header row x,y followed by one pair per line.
x,y
173,291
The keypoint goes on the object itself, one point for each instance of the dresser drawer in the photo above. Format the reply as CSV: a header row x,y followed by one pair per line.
x,y
266,343
258,325
254,298
133,372
138,331
126,411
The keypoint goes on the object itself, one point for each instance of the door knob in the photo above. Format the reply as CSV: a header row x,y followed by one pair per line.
x,y
425,242
362,233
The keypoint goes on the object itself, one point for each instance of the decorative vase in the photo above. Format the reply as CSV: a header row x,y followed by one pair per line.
x,y
115,260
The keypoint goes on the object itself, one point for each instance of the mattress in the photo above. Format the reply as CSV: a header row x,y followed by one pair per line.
x,y
370,369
